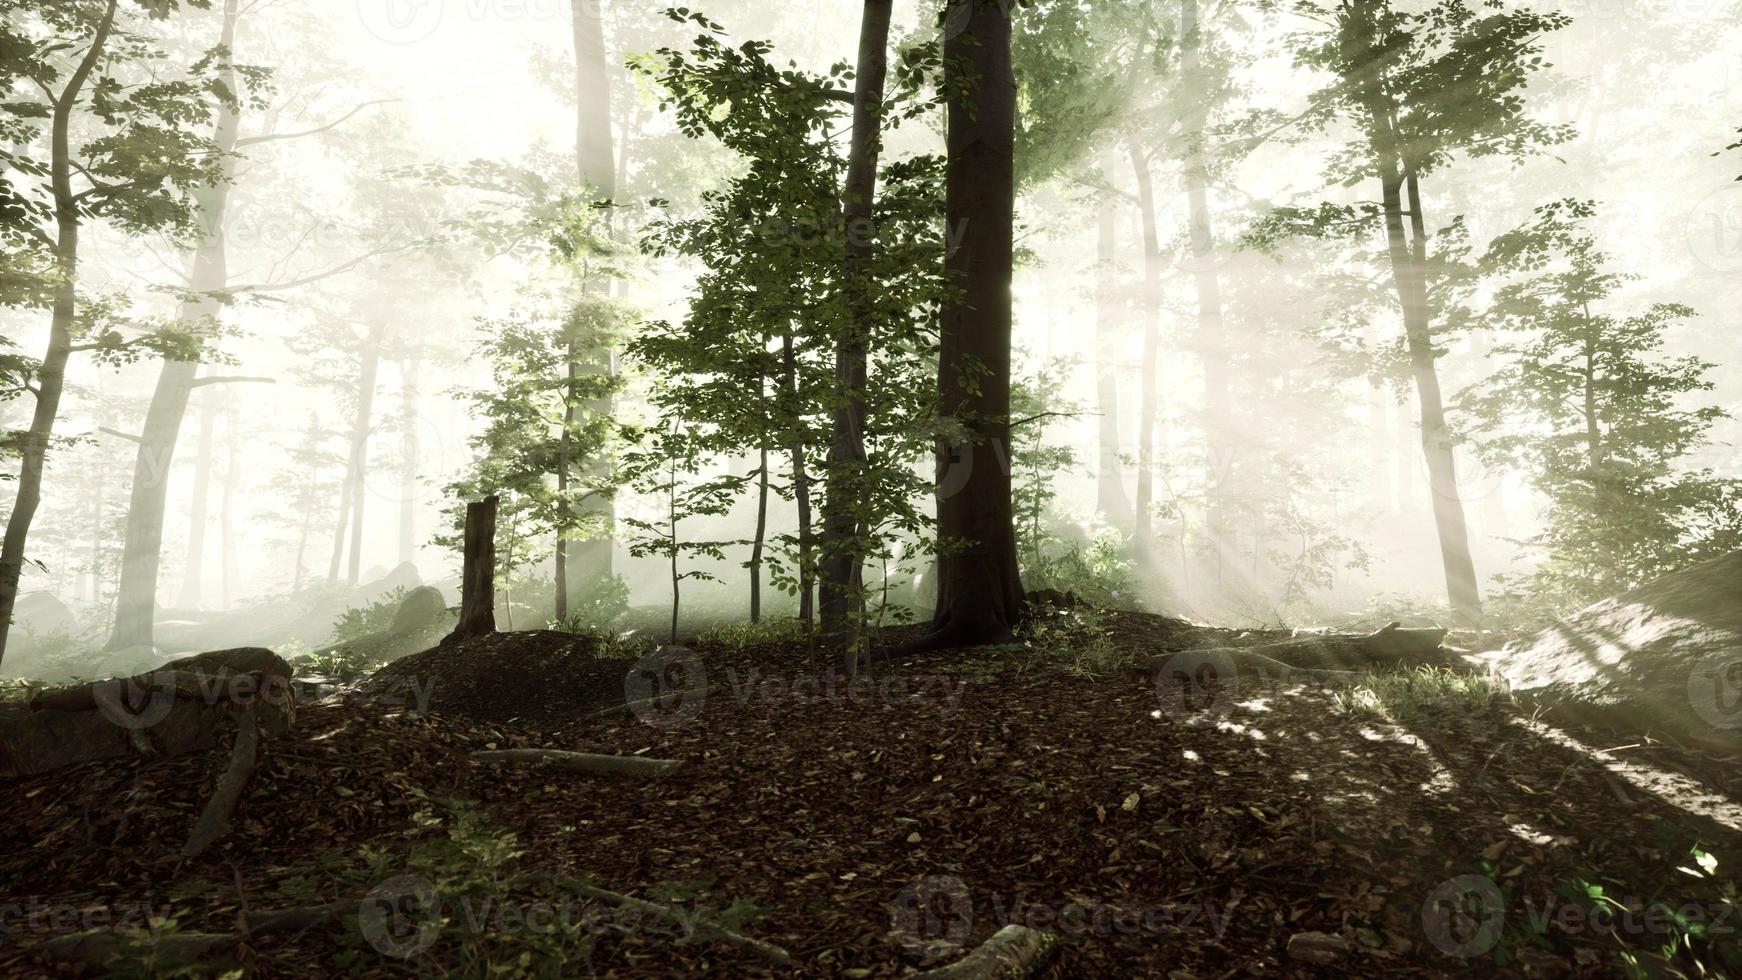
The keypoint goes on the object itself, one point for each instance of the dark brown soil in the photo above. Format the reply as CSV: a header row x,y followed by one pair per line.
x,y
1156,842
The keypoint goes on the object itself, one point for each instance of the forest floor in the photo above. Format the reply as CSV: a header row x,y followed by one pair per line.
x,y
1414,826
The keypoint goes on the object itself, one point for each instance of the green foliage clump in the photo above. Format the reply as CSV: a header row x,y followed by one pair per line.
x,y
1080,640
359,621
1587,403
1100,572
737,636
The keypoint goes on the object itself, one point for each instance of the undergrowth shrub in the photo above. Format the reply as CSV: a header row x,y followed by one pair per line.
x,y
1080,640
1100,572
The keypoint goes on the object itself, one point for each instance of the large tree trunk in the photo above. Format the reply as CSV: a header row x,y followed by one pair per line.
x,y
51,373
1212,345
842,550
478,573
1110,498
979,589
142,550
1143,537
193,568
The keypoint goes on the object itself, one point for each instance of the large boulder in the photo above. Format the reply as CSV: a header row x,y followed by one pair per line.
x,y
421,607
1666,656
42,613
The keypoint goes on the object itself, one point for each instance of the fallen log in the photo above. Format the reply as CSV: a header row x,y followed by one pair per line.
x,y
1013,951
631,766
214,820
170,711
1330,654
768,951
99,947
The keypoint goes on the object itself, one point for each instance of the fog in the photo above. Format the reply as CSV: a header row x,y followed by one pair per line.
x,y
357,276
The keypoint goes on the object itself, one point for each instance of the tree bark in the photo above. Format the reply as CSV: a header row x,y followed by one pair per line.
x,y
142,549
979,587
51,373
478,573
1143,537
842,550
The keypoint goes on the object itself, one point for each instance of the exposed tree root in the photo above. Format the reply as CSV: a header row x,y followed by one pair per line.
x,y
1013,951
99,947
214,820
632,766
768,951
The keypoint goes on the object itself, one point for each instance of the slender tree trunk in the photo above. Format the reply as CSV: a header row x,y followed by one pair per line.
x,y
340,528
1110,496
142,550
1408,255
1143,536
301,552
1212,344
359,459
193,574
757,542
801,482
980,597
51,373
563,508
408,455
227,514
842,551
596,165
676,578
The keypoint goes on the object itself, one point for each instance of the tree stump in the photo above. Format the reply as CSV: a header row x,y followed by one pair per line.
x,y
478,577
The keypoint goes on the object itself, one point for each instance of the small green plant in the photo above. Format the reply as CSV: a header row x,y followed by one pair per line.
x,y
1419,694
1080,640
375,617
608,644
737,636
342,662
1100,572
